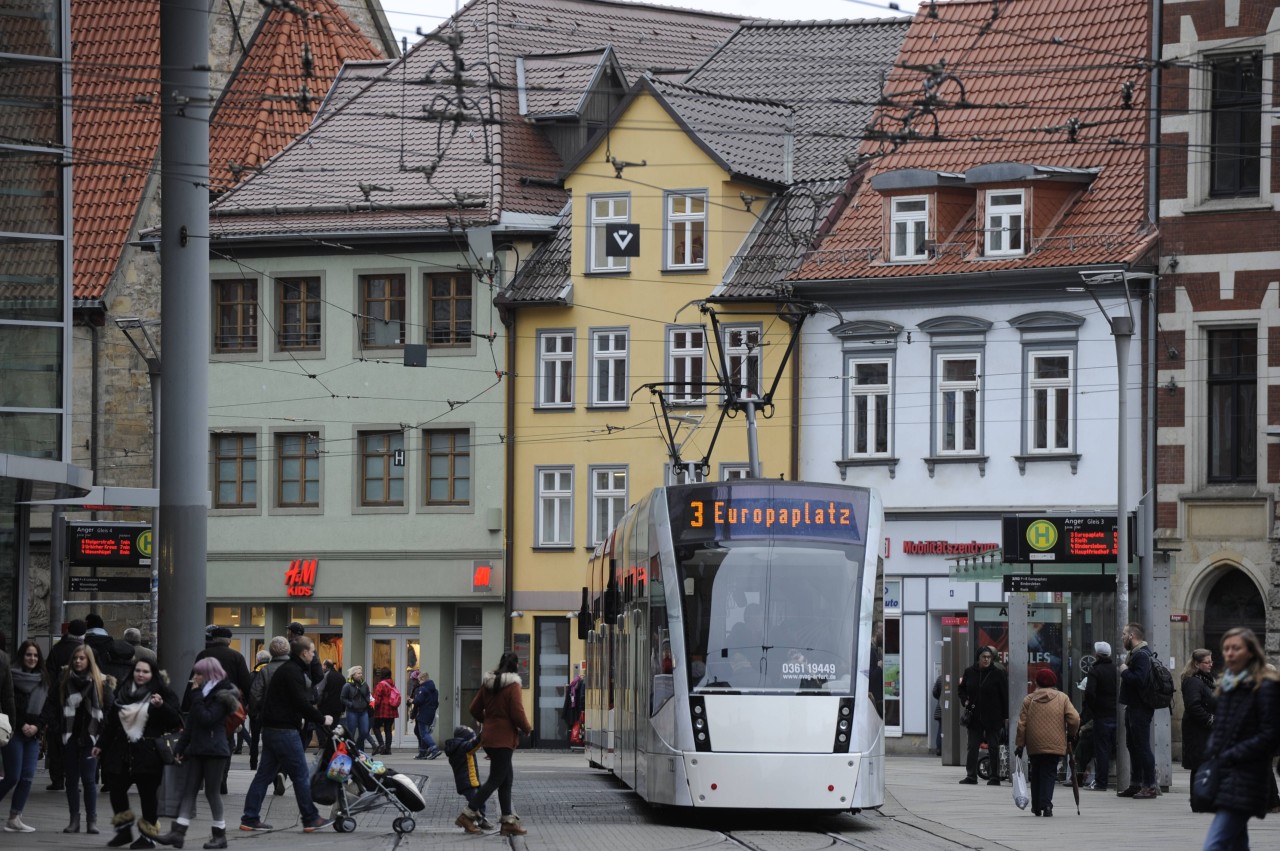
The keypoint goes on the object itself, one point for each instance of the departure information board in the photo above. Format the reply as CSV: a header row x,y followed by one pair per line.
x,y
108,544
1061,538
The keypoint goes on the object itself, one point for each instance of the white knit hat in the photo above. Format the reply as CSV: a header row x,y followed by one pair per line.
x,y
1102,648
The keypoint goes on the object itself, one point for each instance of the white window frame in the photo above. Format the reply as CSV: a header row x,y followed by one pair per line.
x,y
555,370
609,500
740,350
680,358
1050,389
913,225
608,364
685,228
1005,234
555,504
957,390
734,472
618,211
863,410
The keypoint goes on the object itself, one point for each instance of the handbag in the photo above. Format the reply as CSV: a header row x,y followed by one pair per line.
x,y
1204,786
966,716
6,730
167,746
1021,788
235,720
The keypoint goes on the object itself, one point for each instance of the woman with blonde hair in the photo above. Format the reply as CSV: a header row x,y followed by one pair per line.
x,y
1198,702
1246,732
77,716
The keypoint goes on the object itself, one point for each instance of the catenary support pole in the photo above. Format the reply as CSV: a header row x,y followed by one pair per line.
x,y
182,546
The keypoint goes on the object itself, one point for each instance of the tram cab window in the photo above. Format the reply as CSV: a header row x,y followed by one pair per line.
x,y
779,617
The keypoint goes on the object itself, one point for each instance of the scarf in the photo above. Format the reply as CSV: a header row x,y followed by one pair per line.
x,y
1231,681
80,691
31,684
134,703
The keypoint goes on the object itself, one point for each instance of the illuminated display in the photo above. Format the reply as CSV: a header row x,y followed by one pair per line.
x,y
702,513
108,544
1061,539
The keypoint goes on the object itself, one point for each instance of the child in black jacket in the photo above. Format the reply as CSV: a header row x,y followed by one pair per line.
x,y
461,750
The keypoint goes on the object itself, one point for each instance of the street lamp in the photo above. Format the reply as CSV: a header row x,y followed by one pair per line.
x,y
137,333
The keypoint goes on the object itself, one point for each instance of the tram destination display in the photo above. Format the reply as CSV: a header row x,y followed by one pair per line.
x,y
713,512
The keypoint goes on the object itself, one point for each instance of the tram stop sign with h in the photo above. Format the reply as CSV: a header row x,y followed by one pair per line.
x,y
622,240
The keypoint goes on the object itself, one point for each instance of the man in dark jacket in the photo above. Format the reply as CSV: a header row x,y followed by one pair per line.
x,y
331,690
315,671
1134,676
59,656
97,637
285,708
1100,700
218,645
426,701
984,690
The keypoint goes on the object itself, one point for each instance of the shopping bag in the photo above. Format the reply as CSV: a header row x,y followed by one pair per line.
x,y
340,765
172,782
1021,789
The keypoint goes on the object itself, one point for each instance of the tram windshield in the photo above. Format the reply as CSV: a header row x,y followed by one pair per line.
x,y
768,615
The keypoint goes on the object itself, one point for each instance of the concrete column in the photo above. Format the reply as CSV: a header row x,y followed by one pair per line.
x,y
355,622
436,646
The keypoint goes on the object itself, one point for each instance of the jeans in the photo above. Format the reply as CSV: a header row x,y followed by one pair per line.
x,y
281,751
1104,744
1142,760
426,744
1229,832
1043,774
81,768
500,778
21,757
357,727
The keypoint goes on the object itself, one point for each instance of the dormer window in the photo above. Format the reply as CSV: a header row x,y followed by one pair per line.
x,y
909,228
1005,216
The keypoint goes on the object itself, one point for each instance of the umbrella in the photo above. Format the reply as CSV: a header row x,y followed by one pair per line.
x,y
1075,778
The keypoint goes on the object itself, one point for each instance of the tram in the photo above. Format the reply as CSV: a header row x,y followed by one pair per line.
x,y
728,629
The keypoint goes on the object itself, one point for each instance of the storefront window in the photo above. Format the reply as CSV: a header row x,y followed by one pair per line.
x,y
257,616
329,647
305,615
383,615
225,615
413,616
467,616
892,657
335,616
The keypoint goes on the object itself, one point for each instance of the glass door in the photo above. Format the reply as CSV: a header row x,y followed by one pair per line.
x,y
551,676
468,668
399,654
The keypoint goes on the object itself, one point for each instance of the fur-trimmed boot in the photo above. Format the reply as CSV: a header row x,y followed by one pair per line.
x,y
142,843
218,839
511,826
467,820
175,837
123,824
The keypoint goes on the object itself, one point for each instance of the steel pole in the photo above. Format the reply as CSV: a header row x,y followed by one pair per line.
x,y
1122,330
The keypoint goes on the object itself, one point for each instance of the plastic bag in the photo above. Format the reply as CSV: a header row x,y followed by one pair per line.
x,y
1021,789
340,765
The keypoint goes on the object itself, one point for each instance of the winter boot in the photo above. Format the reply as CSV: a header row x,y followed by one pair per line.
x,y
149,829
175,837
142,842
467,821
219,838
511,826
91,824
74,825
123,823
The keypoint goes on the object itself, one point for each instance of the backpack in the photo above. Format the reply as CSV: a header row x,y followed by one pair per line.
x,y
257,690
393,696
1158,691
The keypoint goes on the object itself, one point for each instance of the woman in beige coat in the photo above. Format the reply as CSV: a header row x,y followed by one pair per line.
x,y
1047,725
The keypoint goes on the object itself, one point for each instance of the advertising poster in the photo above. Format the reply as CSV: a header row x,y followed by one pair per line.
x,y
1046,641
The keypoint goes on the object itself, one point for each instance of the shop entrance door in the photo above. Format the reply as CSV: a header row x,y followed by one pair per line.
x,y
551,674
468,668
399,653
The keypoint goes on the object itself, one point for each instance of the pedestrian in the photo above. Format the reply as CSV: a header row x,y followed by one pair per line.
x,y
984,692
330,702
285,708
1198,701
1135,674
133,635
1246,733
76,717
1100,700
1047,725
499,709
205,750
22,754
218,646
426,701
386,709
461,749
315,671
97,637
253,707
145,709
357,700
936,750
59,656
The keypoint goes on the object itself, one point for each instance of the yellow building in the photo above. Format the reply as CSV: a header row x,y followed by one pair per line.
x,y
590,329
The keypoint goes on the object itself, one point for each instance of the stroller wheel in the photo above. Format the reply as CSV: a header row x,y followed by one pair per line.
x,y
405,824
345,825
984,767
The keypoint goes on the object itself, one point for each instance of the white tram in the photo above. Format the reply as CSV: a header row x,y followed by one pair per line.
x,y
729,632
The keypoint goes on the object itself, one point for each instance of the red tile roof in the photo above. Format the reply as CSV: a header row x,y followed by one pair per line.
x,y
1009,87
277,88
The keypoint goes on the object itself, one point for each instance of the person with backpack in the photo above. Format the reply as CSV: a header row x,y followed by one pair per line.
x,y
1135,693
386,709
253,706
426,701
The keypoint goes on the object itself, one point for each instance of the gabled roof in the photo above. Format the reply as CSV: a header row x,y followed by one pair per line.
x,y
556,85
546,277
828,72
413,150
1060,84
272,94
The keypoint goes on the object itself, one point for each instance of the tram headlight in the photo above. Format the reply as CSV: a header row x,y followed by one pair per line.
x,y
700,723
844,724
702,737
845,710
843,737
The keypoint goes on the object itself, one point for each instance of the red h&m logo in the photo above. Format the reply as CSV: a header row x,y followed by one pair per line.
x,y
300,578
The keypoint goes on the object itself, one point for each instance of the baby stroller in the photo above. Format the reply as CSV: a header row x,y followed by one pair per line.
x,y
344,771
1001,761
